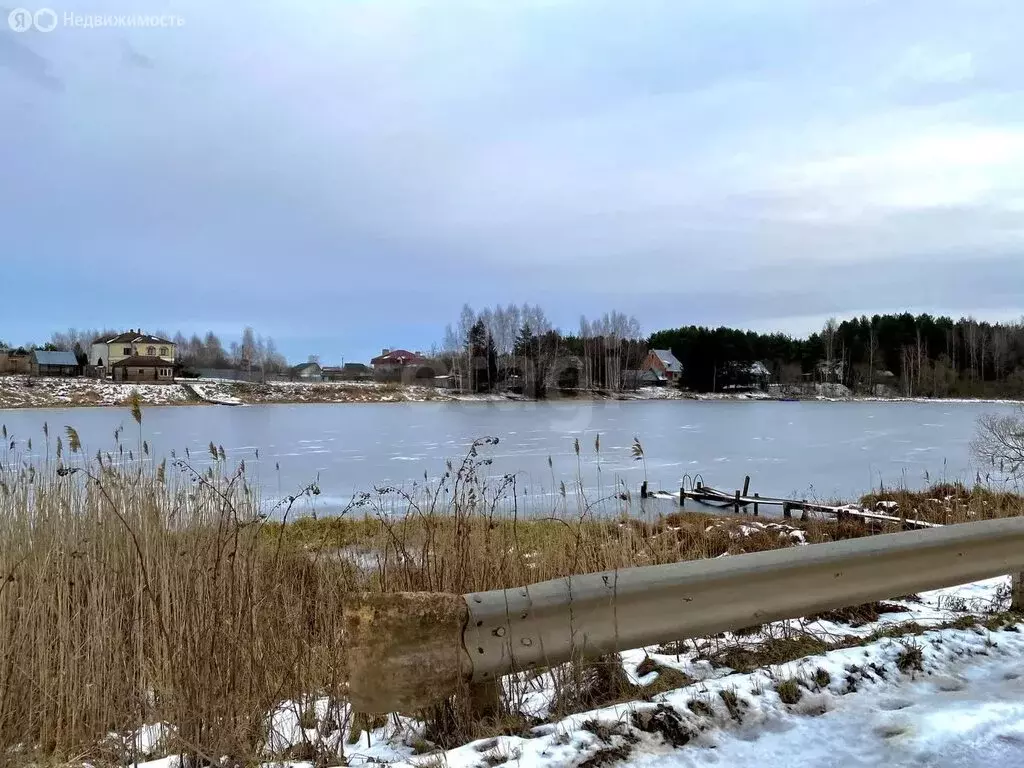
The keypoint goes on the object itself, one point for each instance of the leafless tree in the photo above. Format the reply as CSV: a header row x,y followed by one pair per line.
x,y
999,442
872,351
828,337
248,350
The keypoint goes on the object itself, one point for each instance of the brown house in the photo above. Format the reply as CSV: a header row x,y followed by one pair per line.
x,y
664,365
15,361
140,368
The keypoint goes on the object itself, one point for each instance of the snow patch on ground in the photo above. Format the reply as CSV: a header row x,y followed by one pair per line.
x,y
44,392
857,706
947,697
211,393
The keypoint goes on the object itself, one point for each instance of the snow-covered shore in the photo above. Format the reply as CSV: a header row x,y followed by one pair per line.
x,y
19,392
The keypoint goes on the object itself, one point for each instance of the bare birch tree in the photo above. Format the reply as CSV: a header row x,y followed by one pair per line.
x,y
999,443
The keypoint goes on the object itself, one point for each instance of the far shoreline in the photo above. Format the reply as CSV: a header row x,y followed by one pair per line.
x,y
59,394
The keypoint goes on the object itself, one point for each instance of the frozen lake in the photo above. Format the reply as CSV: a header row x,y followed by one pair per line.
x,y
807,449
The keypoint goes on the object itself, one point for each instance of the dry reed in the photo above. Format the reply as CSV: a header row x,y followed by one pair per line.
x,y
135,591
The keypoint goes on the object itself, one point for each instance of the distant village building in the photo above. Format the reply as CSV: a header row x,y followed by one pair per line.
x,y
347,372
634,378
392,360
830,370
54,363
310,371
664,365
143,368
15,361
106,351
759,374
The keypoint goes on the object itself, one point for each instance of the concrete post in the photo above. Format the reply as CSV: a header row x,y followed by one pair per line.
x,y
404,651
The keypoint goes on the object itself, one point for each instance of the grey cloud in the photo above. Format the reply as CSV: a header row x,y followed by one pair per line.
x,y
19,58
133,58
373,165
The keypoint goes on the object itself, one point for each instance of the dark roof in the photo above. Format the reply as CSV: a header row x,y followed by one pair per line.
x,y
143,361
54,358
131,337
672,365
398,357
304,366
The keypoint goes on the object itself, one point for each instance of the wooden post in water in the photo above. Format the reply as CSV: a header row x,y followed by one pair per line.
x,y
756,496
736,504
746,485
682,497
643,490
786,509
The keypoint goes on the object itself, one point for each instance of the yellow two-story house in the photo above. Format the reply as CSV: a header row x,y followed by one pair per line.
x,y
133,356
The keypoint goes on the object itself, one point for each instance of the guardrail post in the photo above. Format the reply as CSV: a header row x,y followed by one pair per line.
x,y
756,496
736,504
404,650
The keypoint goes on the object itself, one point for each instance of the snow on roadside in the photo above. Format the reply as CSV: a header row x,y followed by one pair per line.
x,y
864,700
963,708
914,700
856,706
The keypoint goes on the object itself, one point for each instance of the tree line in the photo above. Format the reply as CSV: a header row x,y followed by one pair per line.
x,y
912,355
900,353
517,347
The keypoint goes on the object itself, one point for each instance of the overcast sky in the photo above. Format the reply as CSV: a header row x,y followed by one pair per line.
x,y
344,175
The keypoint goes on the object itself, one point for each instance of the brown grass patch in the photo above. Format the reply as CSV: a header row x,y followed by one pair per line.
x,y
771,651
950,503
859,615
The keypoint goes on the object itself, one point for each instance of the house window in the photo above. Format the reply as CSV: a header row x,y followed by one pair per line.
x,y
163,351
127,351
151,351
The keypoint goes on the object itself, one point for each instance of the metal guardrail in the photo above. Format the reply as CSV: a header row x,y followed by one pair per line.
x,y
406,651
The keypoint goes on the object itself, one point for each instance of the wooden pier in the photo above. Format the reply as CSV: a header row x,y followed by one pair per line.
x,y
741,501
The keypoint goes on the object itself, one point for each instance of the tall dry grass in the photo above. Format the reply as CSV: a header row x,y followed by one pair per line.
x,y
137,590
